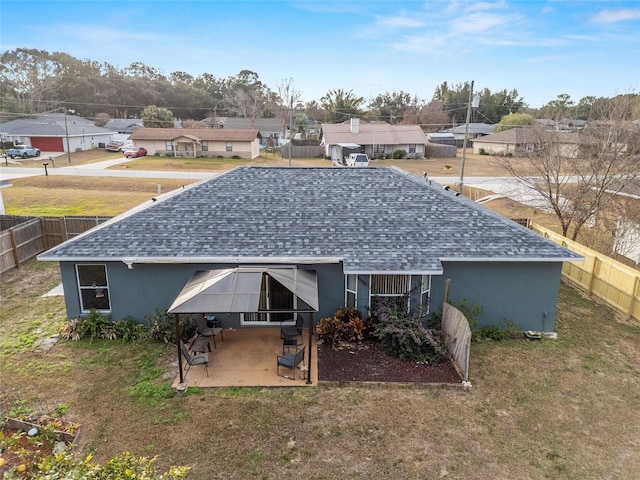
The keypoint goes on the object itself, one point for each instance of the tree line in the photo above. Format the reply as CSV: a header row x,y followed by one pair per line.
x,y
35,81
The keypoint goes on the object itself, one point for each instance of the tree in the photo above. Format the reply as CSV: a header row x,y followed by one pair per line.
x,y
581,174
340,105
431,116
515,120
390,107
247,96
157,117
557,109
287,101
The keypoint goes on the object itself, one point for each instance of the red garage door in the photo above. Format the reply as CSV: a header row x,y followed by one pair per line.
x,y
47,144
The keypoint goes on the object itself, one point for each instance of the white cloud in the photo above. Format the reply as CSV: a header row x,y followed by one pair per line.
x,y
615,16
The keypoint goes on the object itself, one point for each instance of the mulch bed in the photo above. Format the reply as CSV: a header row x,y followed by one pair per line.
x,y
367,362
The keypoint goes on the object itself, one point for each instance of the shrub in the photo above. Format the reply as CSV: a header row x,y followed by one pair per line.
x,y
399,154
403,336
482,151
346,325
162,326
329,330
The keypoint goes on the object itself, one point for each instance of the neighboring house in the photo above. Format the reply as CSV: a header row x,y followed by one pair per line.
x,y
564,125
378,140
56,132
124,125
198,142
270,128
311,239
518,141
475,130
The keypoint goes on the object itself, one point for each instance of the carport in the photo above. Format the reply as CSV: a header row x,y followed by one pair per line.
x,y
342,151
241,290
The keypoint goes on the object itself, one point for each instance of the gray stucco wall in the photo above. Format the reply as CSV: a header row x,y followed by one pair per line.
x,y
516,292
523,293
138,292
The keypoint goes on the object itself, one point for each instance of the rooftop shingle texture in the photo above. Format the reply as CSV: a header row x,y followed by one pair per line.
x,y
375,219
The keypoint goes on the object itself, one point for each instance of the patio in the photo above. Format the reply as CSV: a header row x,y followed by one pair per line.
x,y
247,358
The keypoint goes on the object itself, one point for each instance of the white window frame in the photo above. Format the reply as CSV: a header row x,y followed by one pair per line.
x,y
101,291
168,145
229,147
205,146
351,280
425,294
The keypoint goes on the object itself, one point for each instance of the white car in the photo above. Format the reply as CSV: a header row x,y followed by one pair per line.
x,y
358,160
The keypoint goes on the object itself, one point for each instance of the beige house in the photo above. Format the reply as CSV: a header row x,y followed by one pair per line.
x,y
377,140
519,141
198,142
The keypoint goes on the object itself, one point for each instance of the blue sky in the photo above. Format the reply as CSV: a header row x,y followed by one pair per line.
x,y
541,48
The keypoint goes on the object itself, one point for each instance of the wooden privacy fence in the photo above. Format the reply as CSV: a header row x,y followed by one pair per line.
x,y
611,281
457,338
22,238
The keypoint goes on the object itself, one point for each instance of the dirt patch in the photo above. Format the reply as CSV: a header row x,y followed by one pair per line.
x,y
369,363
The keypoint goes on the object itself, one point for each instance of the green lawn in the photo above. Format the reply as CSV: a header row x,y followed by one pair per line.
x,y
564,409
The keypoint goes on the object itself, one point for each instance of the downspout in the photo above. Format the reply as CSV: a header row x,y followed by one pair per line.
x,y
309,352
177,320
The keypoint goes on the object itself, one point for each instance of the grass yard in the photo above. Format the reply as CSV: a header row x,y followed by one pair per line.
x,y
564,409
65,195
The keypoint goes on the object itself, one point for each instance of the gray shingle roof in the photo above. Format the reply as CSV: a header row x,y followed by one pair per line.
x,y
52,125
375,219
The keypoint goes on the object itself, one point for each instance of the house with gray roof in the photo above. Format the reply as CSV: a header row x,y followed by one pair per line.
x,y
376,139
524,140
311,240
56,132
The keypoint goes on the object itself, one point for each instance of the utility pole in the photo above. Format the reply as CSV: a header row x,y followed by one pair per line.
x,y
464,142
66,132
290,127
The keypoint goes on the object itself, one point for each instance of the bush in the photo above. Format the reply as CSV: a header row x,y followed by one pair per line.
x,y
346,325
403,336
399,154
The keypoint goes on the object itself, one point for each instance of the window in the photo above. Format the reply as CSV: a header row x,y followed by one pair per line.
x,y
352,291
229,147
205,146
168,146
412,148
390,291
424,294
94,287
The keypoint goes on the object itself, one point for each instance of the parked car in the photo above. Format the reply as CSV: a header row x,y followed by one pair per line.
x,y
23,151
138,152
127,146
114,146
358,160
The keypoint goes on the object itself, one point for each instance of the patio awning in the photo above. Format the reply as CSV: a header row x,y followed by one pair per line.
x,y
237,290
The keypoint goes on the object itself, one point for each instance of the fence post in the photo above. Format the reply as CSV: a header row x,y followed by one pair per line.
x,y
593,274
14,246
632,301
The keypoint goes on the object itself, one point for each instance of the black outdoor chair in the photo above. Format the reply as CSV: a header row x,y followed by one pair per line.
x,y
291,361
287,332
199,359
205,331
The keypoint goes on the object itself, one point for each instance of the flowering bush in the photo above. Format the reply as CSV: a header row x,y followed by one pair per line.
x,y
404,336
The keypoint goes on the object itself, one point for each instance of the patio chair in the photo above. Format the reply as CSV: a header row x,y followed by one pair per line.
x,y
199,359
291,361
205,331
287,332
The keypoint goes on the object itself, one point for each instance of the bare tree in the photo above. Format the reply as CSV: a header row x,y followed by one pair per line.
x,y
289,97
580,174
